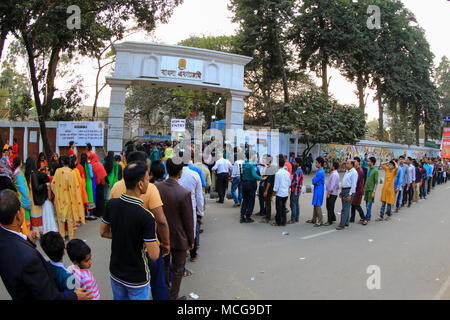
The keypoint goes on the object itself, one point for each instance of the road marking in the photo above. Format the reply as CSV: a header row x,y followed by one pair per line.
x,y
443,289
318,235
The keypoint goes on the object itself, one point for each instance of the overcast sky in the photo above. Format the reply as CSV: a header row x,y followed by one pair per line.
x,y
212,17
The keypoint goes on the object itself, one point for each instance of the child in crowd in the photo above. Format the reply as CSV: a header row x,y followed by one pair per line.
x,y
80,255
53,245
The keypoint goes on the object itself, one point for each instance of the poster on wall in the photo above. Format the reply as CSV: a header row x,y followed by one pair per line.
x,y
81,132
33,137
445,152
178,125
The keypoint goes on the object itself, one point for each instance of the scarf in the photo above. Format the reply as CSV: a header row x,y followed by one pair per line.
x,y
5,168
97,169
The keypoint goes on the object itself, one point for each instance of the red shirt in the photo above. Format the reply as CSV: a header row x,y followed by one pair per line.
x,y
289,167
71,152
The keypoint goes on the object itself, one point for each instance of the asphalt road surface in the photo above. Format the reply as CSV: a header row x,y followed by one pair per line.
x,y
410,255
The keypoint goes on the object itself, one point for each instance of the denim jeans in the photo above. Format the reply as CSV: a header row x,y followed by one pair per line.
x,y
429,184
423,189
121,292
369,211
345,212
383,207
399,197
236,184
295,207
158,284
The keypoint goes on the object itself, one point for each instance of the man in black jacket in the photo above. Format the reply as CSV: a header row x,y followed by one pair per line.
x,y
23,269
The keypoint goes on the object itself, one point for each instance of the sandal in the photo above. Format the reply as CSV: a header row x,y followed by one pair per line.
x,y
364,223
379,219
187,273
291,222
274,225
327,224
309,221
317,225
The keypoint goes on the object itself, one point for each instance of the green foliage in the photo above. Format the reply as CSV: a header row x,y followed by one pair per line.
x,y
321,119
443,84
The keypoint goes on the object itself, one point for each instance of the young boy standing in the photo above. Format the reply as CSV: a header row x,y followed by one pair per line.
x,y
53,245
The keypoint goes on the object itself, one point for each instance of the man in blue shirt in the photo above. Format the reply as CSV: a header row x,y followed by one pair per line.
x,y
401,199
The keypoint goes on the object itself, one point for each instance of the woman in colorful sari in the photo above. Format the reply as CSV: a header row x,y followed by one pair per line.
x,y
68,202
112,171
90,185
82,182
100,176
24,194
6,172
37,185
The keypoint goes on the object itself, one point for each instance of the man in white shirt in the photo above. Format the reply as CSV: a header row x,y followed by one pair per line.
x,y
222,168
236,182
191,181
281,191
347,193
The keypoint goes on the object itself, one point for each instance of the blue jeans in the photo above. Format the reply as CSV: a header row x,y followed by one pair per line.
x,y
369,211
383,207
295,207
121,292
236,184
399,197
158,284
429,184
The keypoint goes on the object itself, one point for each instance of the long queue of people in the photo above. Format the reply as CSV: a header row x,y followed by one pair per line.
x,y
406,181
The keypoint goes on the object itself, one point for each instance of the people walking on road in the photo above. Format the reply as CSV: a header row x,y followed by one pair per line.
x,y
319,188
332,190
357,198
388,192
348,190
370,188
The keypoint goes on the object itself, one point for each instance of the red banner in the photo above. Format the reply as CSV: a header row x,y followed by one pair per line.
x,y
445,153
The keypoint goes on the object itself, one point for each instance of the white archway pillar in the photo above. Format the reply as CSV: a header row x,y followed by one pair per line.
x,y
116,115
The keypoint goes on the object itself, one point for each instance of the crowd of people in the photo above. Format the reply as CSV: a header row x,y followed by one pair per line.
x,y
165,202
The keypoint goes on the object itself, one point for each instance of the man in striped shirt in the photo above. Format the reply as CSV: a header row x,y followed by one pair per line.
x,y
132,230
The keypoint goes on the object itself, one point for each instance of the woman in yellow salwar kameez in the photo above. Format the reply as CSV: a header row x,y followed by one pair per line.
x,y
388,192
68,202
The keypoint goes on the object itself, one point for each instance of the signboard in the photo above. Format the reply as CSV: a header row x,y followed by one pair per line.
x,y
33,137
178,125
81,132
447,119
181,68
445,153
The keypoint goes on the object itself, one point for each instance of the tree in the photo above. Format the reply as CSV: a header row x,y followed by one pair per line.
x,y
44,31
262,34
443,83
321,34
320,119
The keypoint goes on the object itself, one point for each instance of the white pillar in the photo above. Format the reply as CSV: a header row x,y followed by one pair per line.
x,y
25,143
11,134
235,110
116,116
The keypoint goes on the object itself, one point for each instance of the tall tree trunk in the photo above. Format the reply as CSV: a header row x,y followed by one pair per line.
x,y
3,36
325,76
380,113
282,69
425,128
417,125
360,86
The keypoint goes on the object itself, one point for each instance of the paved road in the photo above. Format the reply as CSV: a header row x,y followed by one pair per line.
x,y
411,250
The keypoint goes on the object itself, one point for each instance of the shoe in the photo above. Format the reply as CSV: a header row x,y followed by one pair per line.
x,y
347,225
259,214
200,231
396,210
243,220
218,201
339,228
249,220
236,205
193,259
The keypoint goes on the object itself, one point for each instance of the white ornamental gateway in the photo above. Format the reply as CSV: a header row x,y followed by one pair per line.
x,y
171,66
